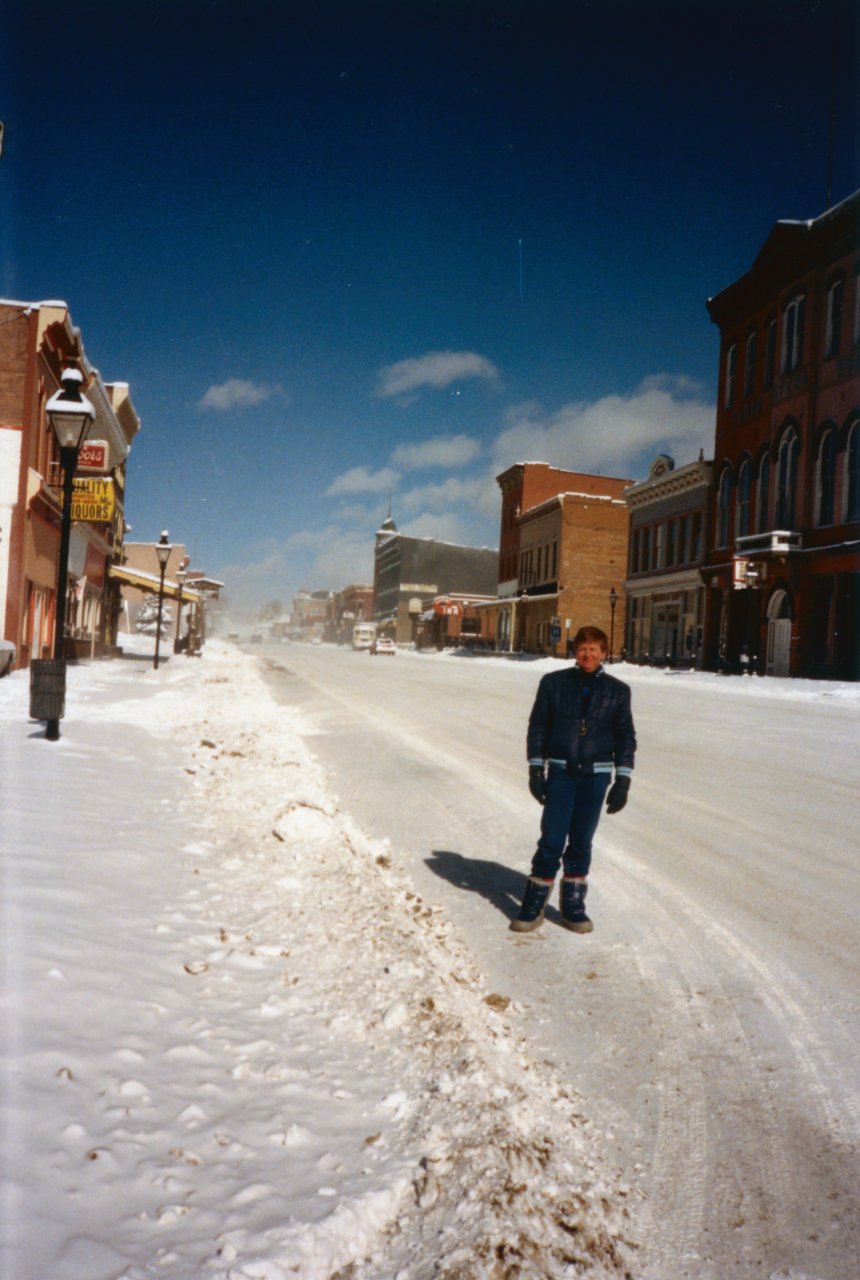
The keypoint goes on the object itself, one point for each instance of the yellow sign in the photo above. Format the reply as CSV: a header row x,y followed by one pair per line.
x,y
93,501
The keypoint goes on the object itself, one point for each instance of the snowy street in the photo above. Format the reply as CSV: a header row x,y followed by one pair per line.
x,y
711,1020
263,1017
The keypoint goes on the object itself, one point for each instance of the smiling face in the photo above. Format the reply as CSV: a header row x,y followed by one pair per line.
x,y
589,655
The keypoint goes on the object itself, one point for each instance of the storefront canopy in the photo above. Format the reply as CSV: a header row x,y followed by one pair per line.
x,y
151,582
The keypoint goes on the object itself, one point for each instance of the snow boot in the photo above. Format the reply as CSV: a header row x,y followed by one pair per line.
x,y
534,900
572,903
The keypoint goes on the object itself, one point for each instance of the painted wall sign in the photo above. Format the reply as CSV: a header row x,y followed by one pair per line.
x,y
93,501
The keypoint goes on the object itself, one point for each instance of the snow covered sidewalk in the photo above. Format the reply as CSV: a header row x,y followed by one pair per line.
x,y
237,1045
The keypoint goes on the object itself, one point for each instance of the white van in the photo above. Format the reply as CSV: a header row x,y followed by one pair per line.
x,y
363,635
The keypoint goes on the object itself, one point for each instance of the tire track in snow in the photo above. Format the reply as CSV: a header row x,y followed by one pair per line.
x,y
687,1164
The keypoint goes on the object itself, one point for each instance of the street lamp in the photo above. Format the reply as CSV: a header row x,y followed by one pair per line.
x,y
162,550
613,601
70,415
181,575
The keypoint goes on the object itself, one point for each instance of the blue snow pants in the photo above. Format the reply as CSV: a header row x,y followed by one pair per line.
x,y
571,813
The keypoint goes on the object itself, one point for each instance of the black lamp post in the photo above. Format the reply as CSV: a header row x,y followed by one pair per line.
x,y
70,414
181,575
613,601
162,550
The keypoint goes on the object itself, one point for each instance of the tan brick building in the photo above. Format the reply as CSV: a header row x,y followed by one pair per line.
x,y
562,549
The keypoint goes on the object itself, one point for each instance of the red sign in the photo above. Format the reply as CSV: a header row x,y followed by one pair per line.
x,y
94,456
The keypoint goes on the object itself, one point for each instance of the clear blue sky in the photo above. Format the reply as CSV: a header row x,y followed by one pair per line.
x,y
345,249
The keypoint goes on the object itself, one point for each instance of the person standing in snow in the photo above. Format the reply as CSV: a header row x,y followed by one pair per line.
x,y
580,730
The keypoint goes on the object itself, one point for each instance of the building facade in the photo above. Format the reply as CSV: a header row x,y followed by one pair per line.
x,y
312,612
37,340
563,548
664,587
349,606
408,571
782,566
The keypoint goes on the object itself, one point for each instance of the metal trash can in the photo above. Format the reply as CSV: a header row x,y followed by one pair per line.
x,y
48,689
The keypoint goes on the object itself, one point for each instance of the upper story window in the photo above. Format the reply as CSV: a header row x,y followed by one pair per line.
x,y
786,481
744,499
762,497
852,474
770,353
671,543
792,334
826,487
696,537
724,499
833,323
749,364
731,375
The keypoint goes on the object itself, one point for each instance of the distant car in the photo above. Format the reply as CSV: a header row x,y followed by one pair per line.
x,y
382,644
256,638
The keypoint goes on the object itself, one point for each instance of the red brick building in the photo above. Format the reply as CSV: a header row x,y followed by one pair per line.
x,y
562,548
37,340
783,560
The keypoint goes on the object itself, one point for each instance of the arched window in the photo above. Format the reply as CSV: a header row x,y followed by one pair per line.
x,y
762,497
769,354
749,364
833,322
852,474
724,498
826,477
731,374
744,499
786,480
792,334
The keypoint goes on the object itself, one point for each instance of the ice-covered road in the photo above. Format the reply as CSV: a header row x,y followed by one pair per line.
x,y
711,1020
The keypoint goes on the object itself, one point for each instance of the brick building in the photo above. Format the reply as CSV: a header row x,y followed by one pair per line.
x,y
782,565
312,612
664,590
562,549
350,605
37,340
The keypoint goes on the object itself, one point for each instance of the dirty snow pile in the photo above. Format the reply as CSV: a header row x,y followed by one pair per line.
x,y
237,1044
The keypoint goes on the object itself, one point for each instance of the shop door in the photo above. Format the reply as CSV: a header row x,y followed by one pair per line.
x,y
778,646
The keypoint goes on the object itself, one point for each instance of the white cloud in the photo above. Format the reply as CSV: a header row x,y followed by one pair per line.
x,y
441,451
616,434
344,560
448,526
237,393
452,492
363,480
435,369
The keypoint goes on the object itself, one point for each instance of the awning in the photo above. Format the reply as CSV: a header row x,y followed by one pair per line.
x,y
151,582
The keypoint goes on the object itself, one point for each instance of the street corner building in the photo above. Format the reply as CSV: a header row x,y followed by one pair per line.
x,y
781,569
37,342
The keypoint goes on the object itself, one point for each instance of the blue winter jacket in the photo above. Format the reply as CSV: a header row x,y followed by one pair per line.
x,y
559,733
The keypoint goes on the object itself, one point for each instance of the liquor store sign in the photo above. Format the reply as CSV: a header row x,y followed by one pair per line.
x,y
93,501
